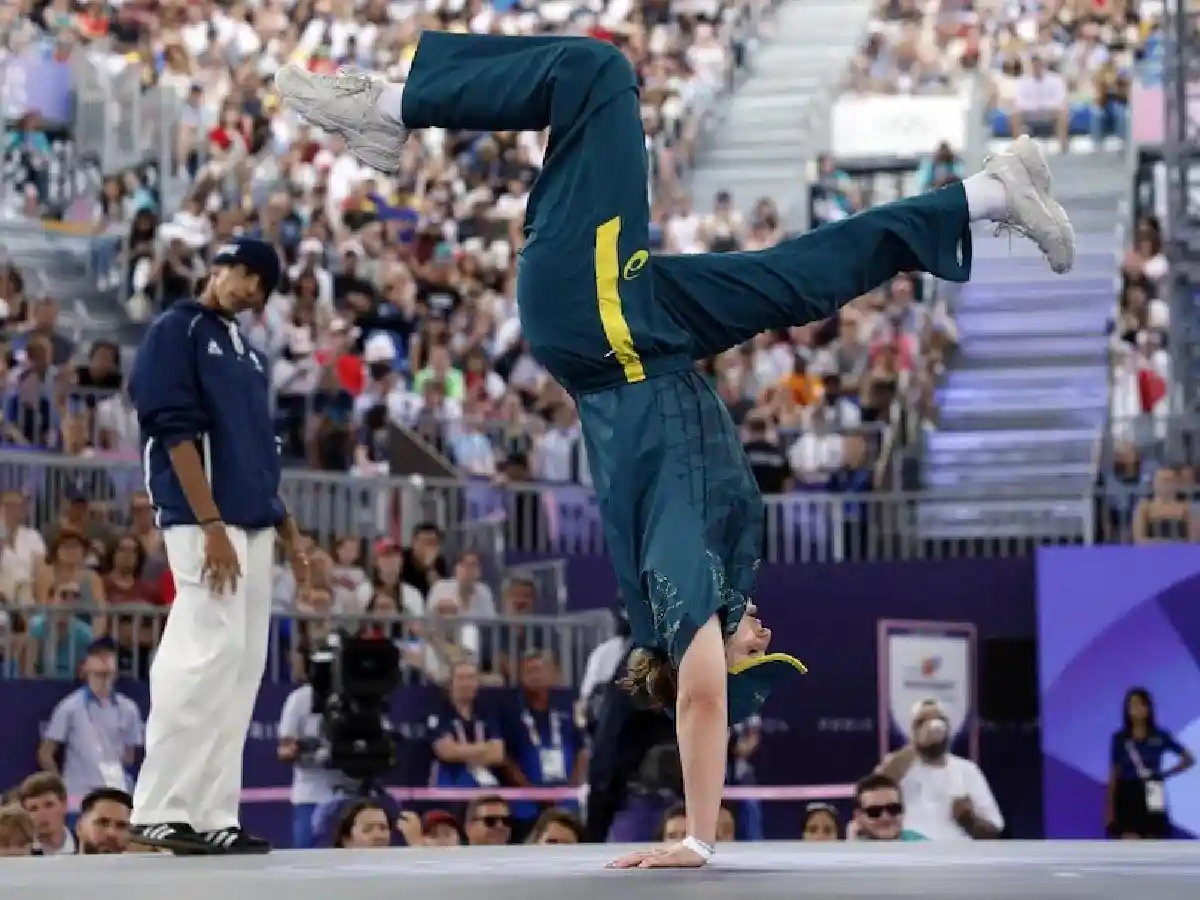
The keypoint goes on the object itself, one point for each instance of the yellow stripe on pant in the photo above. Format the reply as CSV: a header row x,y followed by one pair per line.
x,y
608,295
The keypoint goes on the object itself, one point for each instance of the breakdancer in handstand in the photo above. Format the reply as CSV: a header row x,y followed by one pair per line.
x,y
621,331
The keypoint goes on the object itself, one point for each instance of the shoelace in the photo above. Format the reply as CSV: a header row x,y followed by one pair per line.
x,y
1009,227
346,82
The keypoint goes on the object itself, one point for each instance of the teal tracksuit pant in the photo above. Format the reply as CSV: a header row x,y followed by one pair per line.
x,y
621,329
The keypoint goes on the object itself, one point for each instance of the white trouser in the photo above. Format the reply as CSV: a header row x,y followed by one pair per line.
x,y
203,684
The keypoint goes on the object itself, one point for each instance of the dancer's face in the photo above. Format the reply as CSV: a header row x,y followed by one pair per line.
x,y
751,639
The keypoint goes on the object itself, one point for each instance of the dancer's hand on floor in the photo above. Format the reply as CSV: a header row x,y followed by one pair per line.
x,y
676,856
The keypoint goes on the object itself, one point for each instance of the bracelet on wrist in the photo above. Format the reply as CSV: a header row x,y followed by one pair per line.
x,y
701,849
204,523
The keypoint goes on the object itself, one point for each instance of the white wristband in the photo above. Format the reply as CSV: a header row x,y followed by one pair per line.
x,y
701,849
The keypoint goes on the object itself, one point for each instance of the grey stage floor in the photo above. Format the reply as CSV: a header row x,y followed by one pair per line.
x,y
985,871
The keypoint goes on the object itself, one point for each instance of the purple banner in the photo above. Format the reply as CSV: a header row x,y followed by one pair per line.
x,y
1110,619
822,730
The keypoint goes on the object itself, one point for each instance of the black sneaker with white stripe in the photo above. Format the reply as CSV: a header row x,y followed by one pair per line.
x,y
234,841
177,837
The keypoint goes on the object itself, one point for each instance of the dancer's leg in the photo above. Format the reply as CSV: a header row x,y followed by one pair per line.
x,y
587,305
726,299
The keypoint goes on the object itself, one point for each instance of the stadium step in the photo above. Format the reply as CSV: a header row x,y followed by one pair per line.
x,y
774,122
1026,394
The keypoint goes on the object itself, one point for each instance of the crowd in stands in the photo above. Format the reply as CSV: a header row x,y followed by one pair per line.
x,y
1064,69
1058,70
398,307
1149,485
96,568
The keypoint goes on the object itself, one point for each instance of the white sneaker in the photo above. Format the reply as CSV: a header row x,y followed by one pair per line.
x,y
1032,210
345,104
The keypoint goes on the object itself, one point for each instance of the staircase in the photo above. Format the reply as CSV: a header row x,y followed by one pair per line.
x,y
777,120
1027,393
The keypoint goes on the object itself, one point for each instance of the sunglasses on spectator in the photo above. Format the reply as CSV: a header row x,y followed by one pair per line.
x,y
495,821
878,812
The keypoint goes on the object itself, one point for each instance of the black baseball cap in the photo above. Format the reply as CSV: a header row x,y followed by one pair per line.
x,y
257,256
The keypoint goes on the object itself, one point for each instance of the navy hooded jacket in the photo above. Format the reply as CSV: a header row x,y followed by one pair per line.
x,y
197,379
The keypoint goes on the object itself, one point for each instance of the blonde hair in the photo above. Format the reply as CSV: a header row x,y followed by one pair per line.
x,y
16,826
650,674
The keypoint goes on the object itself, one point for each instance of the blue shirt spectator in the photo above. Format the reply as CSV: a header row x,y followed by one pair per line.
x,y
466,744
58,640
542,742
97,730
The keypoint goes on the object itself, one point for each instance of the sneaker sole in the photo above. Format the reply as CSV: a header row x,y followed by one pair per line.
x,y
178,848
387,160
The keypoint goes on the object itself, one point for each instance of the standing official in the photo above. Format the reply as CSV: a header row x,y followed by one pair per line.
x,y
212,472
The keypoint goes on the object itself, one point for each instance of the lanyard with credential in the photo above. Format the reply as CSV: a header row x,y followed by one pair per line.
x,y
461,732
108,752
1138,765
535,735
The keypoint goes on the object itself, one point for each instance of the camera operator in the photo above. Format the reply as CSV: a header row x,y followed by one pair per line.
x,y
314,783
634,759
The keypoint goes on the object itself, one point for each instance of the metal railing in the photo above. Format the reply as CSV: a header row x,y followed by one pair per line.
x,y
52,641
556,521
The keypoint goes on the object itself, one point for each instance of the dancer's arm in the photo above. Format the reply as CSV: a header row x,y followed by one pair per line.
x,y
702,725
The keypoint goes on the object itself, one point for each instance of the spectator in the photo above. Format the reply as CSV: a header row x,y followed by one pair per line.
x,y
473,596
57,639
542,744
467,747
1040,104
820,823
44,797
67,560
17,836
767,459
673,827
1166,516
441,829
104,822
389,576
424,564
488,821
556,826
879,813
514,639
363,825
96,731
21,550
942,168
943,796
447,639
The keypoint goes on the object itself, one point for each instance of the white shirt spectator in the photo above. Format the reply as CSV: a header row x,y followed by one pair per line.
x,y
815,456
19,555
1044,94
929,792
683,233
116,417
556,453
480,603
